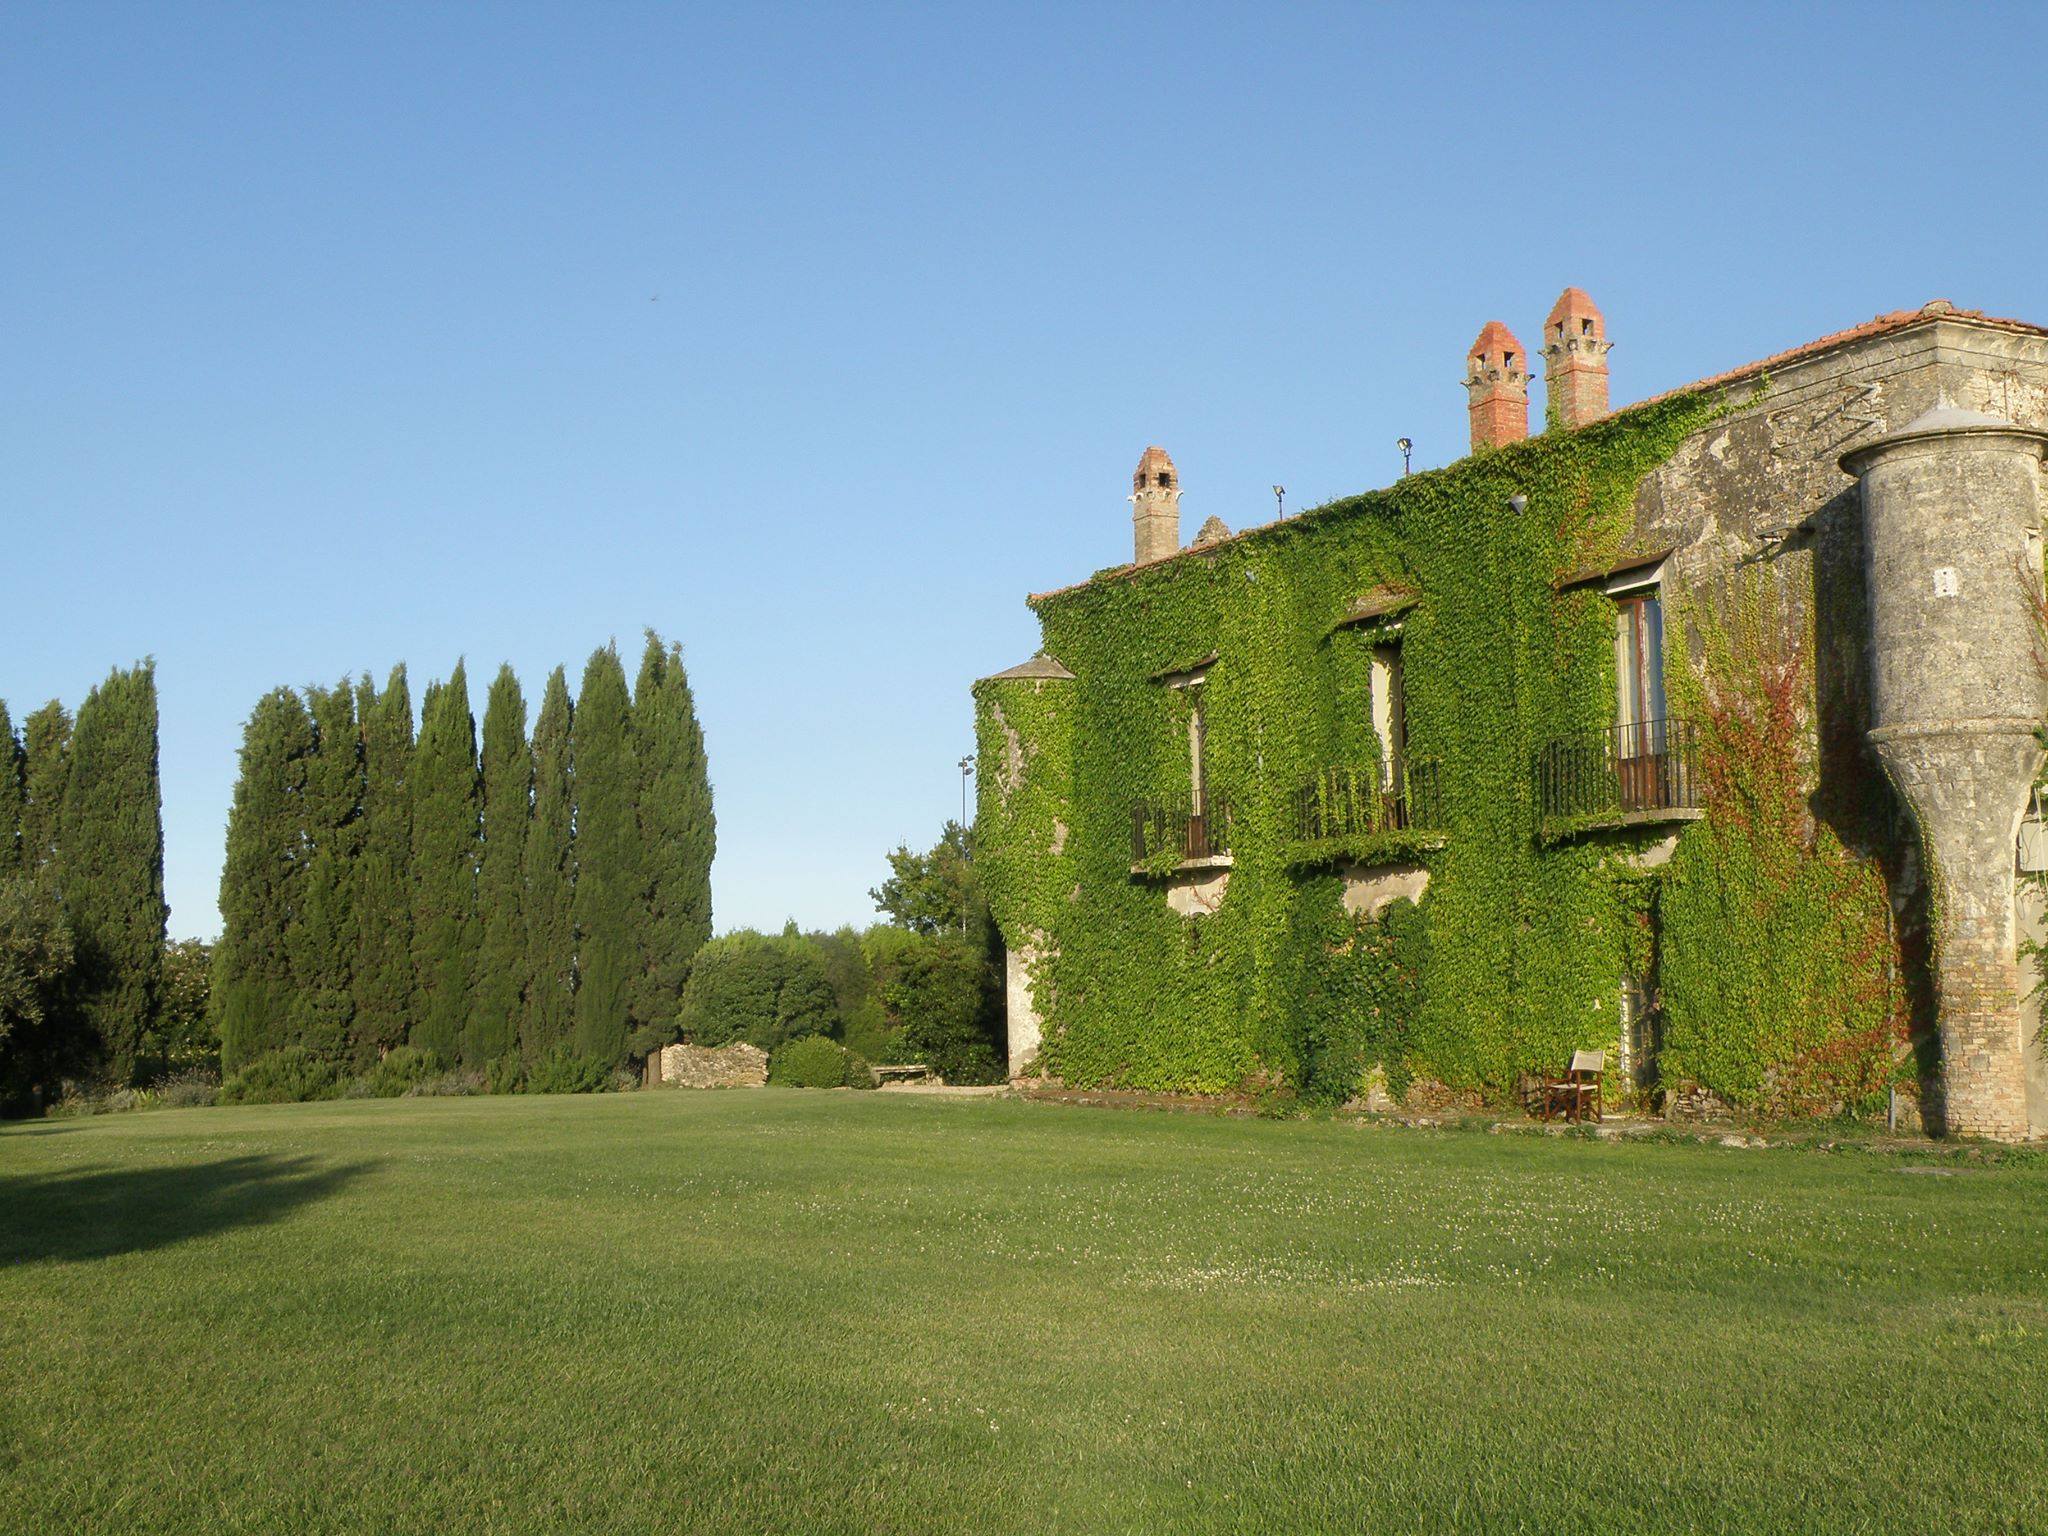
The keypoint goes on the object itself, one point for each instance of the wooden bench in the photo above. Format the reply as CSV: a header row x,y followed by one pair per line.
x,y
903,1072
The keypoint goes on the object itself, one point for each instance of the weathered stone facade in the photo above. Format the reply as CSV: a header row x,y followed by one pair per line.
x,y
738,1065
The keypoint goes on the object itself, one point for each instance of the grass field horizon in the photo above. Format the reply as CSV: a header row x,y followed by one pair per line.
x,y
792,1311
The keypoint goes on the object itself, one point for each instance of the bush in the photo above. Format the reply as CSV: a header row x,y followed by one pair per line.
x,y
449,1085
507,1074
765,991
816,1062
194,1088
399,1072
563,1071
288,1076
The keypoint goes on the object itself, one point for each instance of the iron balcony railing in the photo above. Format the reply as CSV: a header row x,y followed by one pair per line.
x,y
1636,770
1407,796
1157,825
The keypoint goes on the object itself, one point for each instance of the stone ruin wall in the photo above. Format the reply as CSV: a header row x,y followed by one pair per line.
x,y
700,1066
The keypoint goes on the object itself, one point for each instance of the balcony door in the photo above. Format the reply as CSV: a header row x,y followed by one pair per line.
x,y
1640,746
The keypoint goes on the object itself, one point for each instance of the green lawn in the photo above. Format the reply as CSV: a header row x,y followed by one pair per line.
x,y
812,1312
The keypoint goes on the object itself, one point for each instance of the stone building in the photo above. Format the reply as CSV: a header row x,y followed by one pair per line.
x,y
1706,731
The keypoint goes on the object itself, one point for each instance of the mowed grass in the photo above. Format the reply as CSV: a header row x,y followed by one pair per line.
x,y
819,1312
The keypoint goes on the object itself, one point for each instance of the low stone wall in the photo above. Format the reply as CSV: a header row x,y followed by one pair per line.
x,y
1691,1102
738,1065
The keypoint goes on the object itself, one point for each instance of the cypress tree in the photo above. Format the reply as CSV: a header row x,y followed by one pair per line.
x,y
382,906
46,740
10,795
323,936
444,849
494,1013
547,900
261,880
609,904
677,833
111,861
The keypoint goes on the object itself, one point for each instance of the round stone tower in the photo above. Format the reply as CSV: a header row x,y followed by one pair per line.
x,y
1155,506
1952,518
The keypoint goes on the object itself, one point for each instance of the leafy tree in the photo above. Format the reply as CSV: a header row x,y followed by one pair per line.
x,y
547,901
761,989
382,906
46,762
945,992
937,891
443,787
111,859
322,940
494,1013
864,1023
948,1001
261,881
10,795
35,966
678,835
185,1036
610,902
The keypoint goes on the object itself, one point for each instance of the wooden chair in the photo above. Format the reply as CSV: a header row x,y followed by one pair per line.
x,y
1579,1087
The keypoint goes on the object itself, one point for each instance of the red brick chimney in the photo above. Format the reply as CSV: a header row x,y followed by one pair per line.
x,y
1575,349
1155,506
1497,382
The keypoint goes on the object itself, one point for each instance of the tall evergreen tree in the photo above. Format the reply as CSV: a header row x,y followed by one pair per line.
x,y
444,849
547,902
46,741
494,1013
677,833
111,851
382,906
261,880
610,872
10,795
323,936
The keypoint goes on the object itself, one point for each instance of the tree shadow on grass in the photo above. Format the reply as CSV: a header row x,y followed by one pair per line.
x,y
96,1213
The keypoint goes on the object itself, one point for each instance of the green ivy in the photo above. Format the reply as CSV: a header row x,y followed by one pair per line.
x,y
1514,956
1779,956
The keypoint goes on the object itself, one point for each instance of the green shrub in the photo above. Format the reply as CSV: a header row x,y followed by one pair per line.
x,y
449,1085
401,1068
563,1071
507,1074
816,1062
289,1075
748,986
194,1088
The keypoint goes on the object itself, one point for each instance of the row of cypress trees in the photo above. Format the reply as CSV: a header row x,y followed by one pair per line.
x,y
81,825
538,894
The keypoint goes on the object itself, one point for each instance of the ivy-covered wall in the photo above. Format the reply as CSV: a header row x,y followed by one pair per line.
x,y
1515,954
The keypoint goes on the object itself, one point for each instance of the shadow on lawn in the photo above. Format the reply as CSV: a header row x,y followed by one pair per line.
x,y
101,1212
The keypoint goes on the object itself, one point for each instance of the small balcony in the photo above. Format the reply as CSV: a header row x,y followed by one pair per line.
x,y
1370,814
1622,776
1197,839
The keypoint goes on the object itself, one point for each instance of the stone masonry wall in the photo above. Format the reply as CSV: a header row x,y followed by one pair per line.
x,y
738,1065
1762,492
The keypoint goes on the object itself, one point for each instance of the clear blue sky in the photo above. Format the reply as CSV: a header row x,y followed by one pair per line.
x,y
335,335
